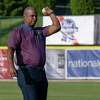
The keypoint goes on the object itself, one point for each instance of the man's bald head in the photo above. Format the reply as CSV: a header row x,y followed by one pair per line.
x,y
30,15
27,9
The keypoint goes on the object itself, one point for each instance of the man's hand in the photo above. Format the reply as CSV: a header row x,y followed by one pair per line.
x,y
11,62
47,11
12,72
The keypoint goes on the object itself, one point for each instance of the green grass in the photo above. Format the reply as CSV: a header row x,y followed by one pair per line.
x,y
56,91
74,91
9,91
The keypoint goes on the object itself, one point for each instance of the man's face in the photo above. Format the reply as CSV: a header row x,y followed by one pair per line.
x,y
30,17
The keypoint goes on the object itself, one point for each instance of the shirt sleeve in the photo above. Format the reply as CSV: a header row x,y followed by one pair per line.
x,y
45,31
14,38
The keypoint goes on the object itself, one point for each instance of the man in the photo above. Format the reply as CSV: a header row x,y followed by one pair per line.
x,y
28,42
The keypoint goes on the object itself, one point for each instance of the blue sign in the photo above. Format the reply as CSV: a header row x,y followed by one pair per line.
x,y
83,63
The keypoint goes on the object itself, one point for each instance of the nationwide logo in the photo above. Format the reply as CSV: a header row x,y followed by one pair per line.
x,y
84,63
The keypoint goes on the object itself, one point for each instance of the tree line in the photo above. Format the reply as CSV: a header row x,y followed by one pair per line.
x,y
15,7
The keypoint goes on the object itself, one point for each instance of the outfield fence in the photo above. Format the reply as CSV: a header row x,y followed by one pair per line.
x,y
63,63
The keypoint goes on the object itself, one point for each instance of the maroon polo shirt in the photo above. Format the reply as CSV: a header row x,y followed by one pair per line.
x,y
29,44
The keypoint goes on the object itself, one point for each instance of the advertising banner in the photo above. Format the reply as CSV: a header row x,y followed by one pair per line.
x,y
83,64
55,64
75,30
4,64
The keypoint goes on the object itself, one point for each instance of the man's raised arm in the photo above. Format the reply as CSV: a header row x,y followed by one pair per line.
x,y
55,27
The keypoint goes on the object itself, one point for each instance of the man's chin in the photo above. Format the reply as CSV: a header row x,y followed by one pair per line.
x,y
33,24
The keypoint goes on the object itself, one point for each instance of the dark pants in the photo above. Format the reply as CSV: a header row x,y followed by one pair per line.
x,y
33,83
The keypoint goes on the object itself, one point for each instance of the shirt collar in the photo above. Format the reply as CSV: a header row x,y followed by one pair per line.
x,y
27,27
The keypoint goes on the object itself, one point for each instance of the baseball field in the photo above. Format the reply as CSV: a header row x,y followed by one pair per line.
x,y
58,90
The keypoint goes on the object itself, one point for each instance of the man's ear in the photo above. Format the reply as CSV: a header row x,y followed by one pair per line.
x,y
24,16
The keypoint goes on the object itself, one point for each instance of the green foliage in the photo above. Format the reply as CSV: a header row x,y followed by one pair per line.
x,y
12,7
15,7
39,4
6,25
82,7
51,3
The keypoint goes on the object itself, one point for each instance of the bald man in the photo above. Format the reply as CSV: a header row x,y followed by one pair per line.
x,y
28,42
